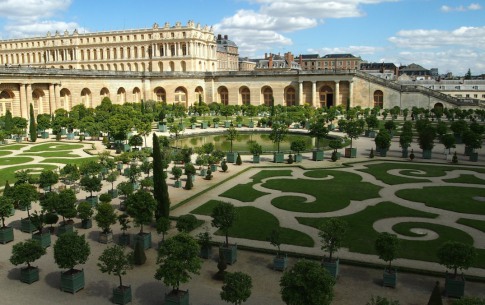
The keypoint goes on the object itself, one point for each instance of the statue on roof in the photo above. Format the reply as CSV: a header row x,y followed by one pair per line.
x,y
155,25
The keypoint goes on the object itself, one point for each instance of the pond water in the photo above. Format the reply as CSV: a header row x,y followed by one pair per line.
x,y
241,144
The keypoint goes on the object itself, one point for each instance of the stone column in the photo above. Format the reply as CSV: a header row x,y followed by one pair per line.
x,y
56,99
314,93
28,95
52,102
23,101
351,93
337,93
300,93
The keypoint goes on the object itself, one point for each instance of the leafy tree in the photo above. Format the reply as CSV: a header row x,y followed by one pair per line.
x,y
115,261
66,206
136,141
105,216
307,283
48,178
112,177
23,195
160,188
472,139
125,188
383,139
85,210
236,288
186,223
318,130
372,122
43,121
70,172
278,133
448,140
91,184
332,232
456,255
141,206
298,145
275,239
70,250
353,129
27,252
426,137
238,160
223,217
32,125
178,257
469,301
9,125
162,226
6,207
387,246
231,135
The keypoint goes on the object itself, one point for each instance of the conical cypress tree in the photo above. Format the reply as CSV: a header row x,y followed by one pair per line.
x,y
435,298
238,160
33,125
139,256
8,122
6,189
160,188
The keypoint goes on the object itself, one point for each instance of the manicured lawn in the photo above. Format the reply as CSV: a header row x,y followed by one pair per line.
x,y
54,147
380,171
243,192
5,153
468,179
77,161
458,199
15,160
270,173
477,224
53,154
256,224
8,174
331,195
11,147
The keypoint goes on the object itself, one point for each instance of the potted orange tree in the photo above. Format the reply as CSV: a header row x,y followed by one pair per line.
x,y
6,208
386,247
332,232
223,217
141,206
280,261
26,253
105,217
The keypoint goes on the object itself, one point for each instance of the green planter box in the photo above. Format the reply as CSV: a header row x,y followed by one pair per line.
x,y
64,229
44,238
203,172
126,172
317,155
278,157
93,200
458,138
251,124
427,154
213,168
126,147
372,134
178,184
227,124
26,225
468,150
87,223
350,152
181,126
280,263
18,139
136,186
206,252
44,135
474,156
180,297
70,136
389,279
192,126
113,193
105,238
124,239
298,158
239,125
29,275
228,253
383,152
454,287
332,267
204,125
256,158
231,157
72,281
63,131
145,238
162,127
6,235
404,153
122,295
216,125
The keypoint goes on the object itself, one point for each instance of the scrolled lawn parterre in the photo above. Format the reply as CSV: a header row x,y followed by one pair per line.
x,y
12,147
256,224
77,161
451,198
15,160
54,146
243,192
8,174
331,195
416,172
5,153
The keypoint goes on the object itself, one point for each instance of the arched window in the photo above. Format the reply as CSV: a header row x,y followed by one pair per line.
x,y
104,92
180,95
6,97
268,96
326,96
136,95
223,95
37,99
160,94
290,97
86,97
121,96
245,95
199,94
378,99
65,100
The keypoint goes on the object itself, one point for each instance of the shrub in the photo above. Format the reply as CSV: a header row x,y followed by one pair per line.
x,y
186,223
238,160
139,256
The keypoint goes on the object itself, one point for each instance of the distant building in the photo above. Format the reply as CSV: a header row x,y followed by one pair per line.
x,y
383,70
331,62
415,71
227,54
277,62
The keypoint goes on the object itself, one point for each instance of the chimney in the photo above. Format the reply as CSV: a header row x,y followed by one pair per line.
x,y
265,55
301,60
219,37
226,37
270,63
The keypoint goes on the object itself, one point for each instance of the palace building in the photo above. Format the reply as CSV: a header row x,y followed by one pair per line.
x,y
185,64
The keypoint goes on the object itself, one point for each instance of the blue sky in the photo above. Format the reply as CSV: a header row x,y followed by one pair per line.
x,y
449,35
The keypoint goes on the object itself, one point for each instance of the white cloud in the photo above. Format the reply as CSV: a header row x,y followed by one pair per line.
x,y
427,39
354,50
461,8
41,28
31,9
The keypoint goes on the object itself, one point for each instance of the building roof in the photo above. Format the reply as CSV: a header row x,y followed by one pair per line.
x,y
309,56
345,55
378,65
412,67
